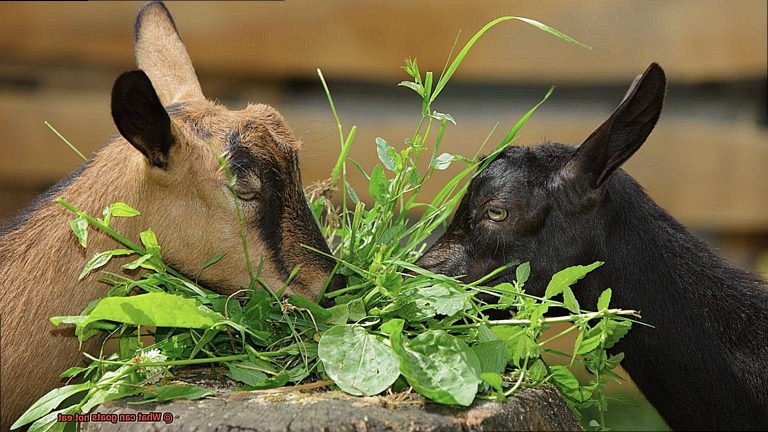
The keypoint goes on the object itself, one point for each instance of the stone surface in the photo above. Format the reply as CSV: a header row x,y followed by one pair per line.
x,y
322,410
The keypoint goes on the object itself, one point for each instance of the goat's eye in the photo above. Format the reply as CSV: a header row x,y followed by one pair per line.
x,y
497,214
247,196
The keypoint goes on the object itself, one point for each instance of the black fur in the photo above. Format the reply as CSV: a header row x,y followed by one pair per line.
x,y
705,364
141,118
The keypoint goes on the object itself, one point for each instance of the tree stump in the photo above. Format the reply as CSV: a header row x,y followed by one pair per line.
x,y
322,410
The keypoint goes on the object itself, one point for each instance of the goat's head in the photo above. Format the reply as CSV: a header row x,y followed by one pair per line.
x,y
547,203
179,134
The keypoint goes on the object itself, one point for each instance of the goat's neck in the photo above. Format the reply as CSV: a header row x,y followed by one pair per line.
x,y
41,258
708,351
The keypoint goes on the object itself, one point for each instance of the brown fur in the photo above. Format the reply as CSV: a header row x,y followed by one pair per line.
x,y
188,205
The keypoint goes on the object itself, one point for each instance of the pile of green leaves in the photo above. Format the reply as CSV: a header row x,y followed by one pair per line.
x,y
395,326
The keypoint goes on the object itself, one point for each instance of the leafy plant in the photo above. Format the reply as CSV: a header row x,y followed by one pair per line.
x,y
393,320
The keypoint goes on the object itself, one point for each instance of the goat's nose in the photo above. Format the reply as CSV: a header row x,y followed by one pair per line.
x,y
337,282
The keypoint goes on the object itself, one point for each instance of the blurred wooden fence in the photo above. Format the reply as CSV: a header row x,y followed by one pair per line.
x,y
58,61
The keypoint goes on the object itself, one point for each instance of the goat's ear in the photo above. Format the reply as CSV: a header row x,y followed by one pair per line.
x,y
141,118
623,133
161,54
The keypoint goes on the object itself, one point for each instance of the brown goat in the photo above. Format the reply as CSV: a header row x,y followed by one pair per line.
x,y
175,180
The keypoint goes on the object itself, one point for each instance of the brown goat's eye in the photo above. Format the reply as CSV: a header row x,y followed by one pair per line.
x,y
247,196
497,214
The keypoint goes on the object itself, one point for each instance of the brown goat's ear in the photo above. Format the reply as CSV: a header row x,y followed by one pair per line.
x,y
161,54
623,133
141,118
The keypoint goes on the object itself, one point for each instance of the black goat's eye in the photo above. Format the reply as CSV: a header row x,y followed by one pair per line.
x,y
497,214
247,196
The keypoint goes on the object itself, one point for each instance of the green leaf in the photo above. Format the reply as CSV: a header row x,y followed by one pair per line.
x,y
80,228
604,300
441,367
50,422
387,154
49,402
149,240
567,277
247,373
378,185
413,86
442,162
121,209
172,392
101,259
492,355
445,77
133,265
570,300
494,380
566,382
616,329
153,309
421,302
443,116
589,344
317,311
212,261
522,273
358,362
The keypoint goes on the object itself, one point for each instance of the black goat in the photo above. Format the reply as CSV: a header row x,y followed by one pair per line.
x,y
705,364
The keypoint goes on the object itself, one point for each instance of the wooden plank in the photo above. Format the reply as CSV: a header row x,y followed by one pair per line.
x,y
707,174
695,40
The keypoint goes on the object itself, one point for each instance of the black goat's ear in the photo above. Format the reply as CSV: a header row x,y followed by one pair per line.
x,y
622,134
141,118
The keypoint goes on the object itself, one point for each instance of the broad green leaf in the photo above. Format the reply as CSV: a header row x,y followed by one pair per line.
x,y
101,259
378,185
492,355
443,161
121,209
522,273
589,344
154,309
172,392
617,328
49,402
80,228
567,277
566,382
387,154
423,302
441,367
247,373
605,300
358,362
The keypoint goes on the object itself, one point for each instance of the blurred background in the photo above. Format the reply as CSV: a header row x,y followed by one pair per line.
x,y
706,162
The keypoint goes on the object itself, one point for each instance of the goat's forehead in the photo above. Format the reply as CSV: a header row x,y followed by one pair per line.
x,y
257,127
522,167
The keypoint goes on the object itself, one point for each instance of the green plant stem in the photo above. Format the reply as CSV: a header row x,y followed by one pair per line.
x,y
66,141
195,361
549,320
